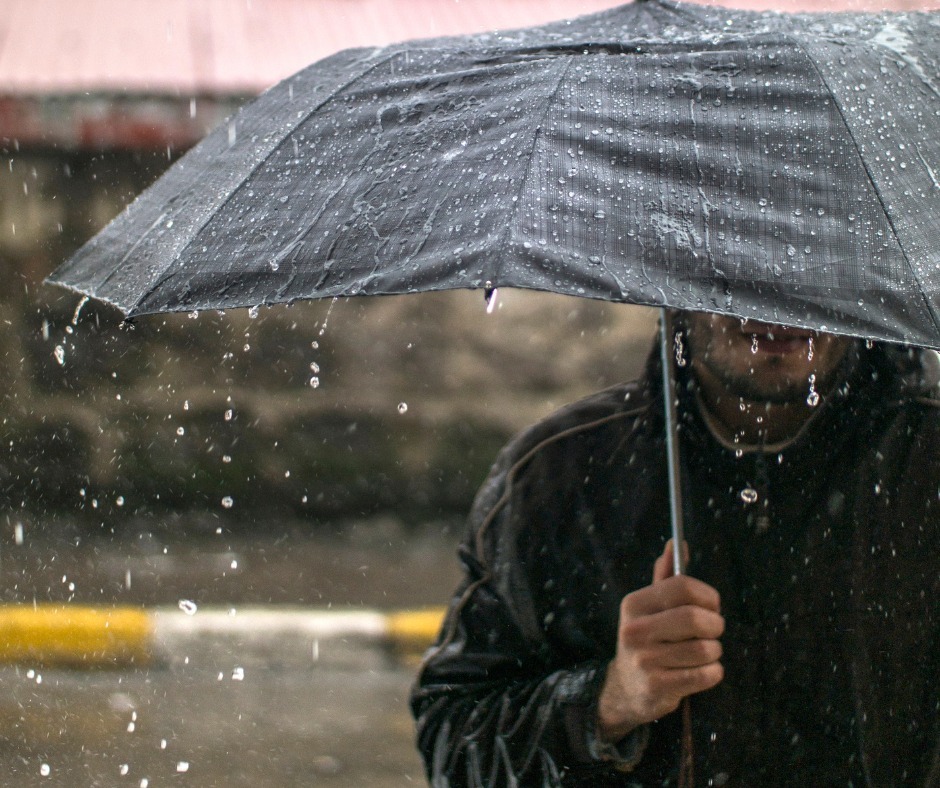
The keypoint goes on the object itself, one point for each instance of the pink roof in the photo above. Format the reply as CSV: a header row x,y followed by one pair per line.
x,y
214,47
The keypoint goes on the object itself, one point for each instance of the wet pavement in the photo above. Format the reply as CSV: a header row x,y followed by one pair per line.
x,y
219,719
203,727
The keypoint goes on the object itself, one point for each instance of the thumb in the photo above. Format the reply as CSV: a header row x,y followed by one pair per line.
x,y
663,567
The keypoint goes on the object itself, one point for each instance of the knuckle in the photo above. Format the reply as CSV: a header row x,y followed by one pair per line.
x,y
633,632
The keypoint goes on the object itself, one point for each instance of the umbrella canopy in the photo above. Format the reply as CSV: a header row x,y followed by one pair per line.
x,y
778,167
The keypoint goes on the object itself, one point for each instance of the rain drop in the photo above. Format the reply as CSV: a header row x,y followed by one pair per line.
x,y
228,502
314,382
748,495
812,399
78,310
679,349
45,770
180,430
491,297
809,351
253,312
754,346
238,674
124,769
188,607
228,414
59,354
402,407
182,766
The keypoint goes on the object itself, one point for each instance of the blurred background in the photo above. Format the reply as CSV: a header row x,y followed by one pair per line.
x,y
321,413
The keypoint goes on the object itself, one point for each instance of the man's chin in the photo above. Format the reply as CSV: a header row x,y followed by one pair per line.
x,y
785,391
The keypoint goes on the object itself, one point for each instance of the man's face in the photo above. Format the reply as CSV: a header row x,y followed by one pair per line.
x,y
759,361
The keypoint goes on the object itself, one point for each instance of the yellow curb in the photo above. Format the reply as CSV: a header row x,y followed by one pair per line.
x,y
74,635
413,631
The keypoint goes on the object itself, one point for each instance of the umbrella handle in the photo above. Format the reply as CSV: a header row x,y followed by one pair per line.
x,y
666,339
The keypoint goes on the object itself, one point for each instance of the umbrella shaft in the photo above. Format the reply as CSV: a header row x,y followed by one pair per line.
x,y
667,336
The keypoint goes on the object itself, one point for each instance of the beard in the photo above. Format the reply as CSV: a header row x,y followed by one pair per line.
x,y
772,383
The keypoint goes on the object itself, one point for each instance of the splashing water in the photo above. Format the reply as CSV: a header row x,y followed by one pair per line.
x,y
812,399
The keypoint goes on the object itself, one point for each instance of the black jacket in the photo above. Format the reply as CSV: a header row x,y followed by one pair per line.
x,y
830,587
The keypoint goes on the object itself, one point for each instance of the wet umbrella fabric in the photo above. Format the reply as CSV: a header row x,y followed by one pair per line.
x,y
785,168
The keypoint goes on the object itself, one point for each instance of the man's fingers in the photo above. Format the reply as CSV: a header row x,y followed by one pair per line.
x,y
675,625
687,681
669,593
687,654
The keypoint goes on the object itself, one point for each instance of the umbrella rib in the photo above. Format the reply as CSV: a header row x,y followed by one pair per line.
x,y
930,311
535,137
274,148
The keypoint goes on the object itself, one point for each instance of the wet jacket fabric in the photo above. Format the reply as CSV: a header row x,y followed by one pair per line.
x,y
829,579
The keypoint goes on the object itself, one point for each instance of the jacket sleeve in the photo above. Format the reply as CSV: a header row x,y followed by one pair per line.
x,y
494,706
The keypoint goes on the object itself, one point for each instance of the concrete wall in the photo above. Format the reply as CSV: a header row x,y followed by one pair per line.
x,y
175,415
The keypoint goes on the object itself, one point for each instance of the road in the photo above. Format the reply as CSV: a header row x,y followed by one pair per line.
x,y
205,727
218,718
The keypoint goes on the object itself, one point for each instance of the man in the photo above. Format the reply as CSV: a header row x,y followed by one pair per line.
x,y
807,634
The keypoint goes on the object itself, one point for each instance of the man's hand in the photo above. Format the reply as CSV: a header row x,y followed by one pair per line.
x,y
667,648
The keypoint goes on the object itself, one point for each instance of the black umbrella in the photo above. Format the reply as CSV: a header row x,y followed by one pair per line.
x,y
783,168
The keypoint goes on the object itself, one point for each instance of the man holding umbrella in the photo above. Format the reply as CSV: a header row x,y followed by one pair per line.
x,y
809,636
